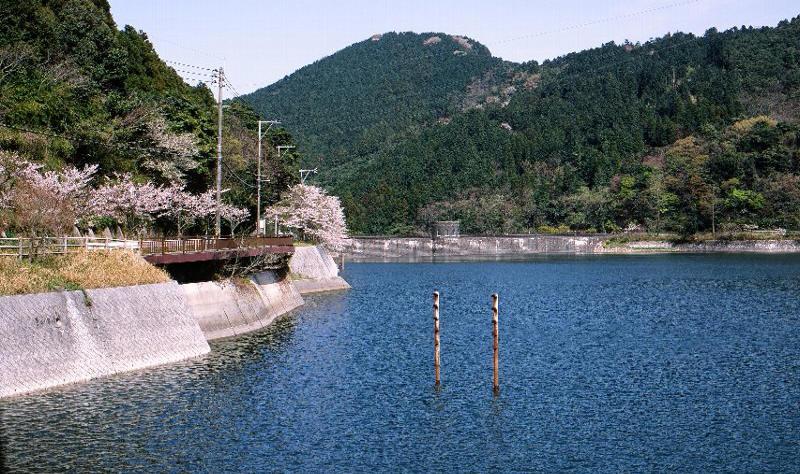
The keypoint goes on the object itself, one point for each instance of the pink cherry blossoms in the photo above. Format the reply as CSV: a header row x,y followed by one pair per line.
x,y
313,212
135,205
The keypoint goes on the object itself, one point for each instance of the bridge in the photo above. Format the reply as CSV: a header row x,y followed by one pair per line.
x,y
156,251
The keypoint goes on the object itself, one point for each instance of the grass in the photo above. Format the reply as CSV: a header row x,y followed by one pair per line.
x,y
77,271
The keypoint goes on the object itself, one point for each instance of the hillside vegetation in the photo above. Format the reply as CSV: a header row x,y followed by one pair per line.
x,y
76,90
353,102
681,133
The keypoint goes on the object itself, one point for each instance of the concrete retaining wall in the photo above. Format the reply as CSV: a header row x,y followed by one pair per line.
x,y
742,246
226,309
313,271
51,339
410,249
372,249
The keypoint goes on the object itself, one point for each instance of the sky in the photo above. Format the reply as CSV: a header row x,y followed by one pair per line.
x,y
260,41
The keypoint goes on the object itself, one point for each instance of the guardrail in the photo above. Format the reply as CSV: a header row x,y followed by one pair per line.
x,y
26,246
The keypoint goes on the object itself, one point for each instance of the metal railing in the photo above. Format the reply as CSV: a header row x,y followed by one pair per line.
x,y
26,246
208,244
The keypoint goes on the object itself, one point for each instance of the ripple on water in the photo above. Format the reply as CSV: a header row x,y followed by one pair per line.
x,y
679,363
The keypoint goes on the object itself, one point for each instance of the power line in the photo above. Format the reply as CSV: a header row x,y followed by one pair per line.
x,y
235,175
194,73
600,20
232,87
189,65
45,134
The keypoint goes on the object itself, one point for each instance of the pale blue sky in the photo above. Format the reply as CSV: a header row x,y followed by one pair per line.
x,y
260,41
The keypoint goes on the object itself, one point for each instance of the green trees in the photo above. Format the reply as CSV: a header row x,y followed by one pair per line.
x,y
75,90
677,134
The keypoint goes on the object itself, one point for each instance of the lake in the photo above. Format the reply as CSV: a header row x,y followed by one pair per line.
x,y
686,363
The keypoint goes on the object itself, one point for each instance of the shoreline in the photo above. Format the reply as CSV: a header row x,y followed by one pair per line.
x,y
63,337
491,247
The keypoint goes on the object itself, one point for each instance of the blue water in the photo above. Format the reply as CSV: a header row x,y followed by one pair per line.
x,y
675,363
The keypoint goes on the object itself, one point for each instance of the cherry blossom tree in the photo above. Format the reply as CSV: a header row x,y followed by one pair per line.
x,y
313,212
39,203
45,203
167,153
187,208
133,204
234,216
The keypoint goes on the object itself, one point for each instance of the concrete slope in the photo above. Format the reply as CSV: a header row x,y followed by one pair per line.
x,y
51,339
227,309
313,271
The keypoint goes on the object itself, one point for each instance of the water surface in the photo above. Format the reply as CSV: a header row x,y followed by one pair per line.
x,y
627,363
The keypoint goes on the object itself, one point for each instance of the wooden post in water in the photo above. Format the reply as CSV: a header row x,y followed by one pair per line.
x,y
436,360
495,345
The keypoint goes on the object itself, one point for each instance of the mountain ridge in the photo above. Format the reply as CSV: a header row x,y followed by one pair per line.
x,y
394,65
547,140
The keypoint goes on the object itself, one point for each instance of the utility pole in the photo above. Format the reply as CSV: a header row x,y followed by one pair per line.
x,y
218,222
269,123
283,147
304,175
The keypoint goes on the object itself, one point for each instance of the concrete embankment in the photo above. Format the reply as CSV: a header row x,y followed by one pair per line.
x,y
410,249
51,339
227,308
708,246
314,271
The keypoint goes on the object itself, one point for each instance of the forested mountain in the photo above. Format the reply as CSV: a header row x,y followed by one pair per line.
x,y
352,102
76,90
681,133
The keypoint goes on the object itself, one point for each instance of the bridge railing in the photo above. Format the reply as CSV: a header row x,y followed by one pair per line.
x,y
208,244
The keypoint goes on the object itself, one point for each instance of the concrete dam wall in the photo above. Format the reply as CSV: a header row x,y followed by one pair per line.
x,y
377,249
51,339
411,249
313,271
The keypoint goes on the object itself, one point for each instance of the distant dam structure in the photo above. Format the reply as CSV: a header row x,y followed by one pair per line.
x,y
452,246
401,249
